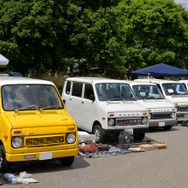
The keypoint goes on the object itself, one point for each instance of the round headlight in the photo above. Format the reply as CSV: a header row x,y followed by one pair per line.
x,y
111,122
177,108
71,138
144,120
16,142
173,114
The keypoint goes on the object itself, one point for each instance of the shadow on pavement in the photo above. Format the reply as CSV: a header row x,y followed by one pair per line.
x,y
48,166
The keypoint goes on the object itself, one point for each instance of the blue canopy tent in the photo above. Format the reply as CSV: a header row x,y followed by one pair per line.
x,y
160,69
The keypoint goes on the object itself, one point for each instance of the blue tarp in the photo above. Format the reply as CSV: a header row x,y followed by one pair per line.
x,y
160,69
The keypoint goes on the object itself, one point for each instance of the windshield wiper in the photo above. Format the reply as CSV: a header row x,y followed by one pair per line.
x,y
115,99
51,107
29,107
150,98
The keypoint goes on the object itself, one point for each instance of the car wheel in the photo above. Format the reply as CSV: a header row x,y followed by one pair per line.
x,y
99,133
138,136
5,165
67,161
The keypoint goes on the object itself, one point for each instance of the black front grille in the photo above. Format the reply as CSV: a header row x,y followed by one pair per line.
x,y
44,141
183,108
161,116
124,122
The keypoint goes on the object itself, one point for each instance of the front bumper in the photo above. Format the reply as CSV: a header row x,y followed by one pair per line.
x,y
182,116
162,123
41,155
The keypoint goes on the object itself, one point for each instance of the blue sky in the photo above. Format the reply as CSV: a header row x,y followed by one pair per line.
x,y
184,3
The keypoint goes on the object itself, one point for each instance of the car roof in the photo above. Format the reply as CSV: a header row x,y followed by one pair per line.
x,y
134,82
22,80
185,81
95,80
153,80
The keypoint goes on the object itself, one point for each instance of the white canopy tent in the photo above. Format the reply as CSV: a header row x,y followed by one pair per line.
x,y
3,60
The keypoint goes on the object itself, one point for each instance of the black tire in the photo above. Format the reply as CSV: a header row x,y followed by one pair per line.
x,y
138,136
99,133
5,165
67,161
167,128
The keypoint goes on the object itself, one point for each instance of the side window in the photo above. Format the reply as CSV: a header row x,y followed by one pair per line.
x,y
89,94
77,89
68,88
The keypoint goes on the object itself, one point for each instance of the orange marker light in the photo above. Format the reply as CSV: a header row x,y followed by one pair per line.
x,y
111,115
17,132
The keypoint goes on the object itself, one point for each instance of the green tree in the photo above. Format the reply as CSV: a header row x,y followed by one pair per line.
x,y
133,34
154,32
117,36
98,41
36,33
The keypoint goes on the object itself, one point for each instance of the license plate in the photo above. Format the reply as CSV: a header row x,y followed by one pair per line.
x,y
161,124
45,156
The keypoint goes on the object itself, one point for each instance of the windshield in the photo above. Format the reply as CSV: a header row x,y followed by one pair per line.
x,y
175,89
147,92
114,91
30,96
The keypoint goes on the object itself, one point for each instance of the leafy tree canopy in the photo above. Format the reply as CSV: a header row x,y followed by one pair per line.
x,y
116,36
135,33
36,32
155,32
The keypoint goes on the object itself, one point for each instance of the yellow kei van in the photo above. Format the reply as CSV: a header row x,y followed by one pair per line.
x,y
34,123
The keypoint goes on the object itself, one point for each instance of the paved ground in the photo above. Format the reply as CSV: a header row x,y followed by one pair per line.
x,y
166,168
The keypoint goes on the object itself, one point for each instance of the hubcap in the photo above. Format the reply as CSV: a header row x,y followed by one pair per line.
x,y
97,134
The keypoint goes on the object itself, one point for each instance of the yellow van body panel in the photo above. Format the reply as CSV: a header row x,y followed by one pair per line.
x,y
43,131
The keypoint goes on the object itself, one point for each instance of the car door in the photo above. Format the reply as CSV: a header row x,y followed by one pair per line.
x,y
72,94
89,108
80,102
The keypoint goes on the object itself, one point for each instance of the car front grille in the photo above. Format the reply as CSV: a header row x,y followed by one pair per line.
x,y
161,116
124,122
44,141
183,108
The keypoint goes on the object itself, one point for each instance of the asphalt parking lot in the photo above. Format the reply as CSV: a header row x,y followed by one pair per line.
x,y
150,169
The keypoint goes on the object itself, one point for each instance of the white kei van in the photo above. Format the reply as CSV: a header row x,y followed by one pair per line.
x,y
101,106
176,93
162,113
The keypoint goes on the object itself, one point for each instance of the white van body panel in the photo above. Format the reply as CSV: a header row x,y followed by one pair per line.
x,y
86,112
76,107
160,109
179,101
157,104
120,109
